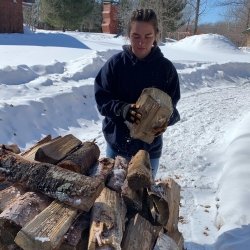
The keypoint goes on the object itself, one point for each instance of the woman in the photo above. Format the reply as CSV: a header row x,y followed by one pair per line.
x,y
121,80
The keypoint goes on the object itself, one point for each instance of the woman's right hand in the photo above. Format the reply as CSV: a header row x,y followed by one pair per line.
x,y
130,113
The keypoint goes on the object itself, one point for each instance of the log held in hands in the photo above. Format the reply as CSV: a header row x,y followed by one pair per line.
x,y
74,189
156,107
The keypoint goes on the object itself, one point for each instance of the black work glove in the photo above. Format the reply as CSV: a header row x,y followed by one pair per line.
x,y
130,113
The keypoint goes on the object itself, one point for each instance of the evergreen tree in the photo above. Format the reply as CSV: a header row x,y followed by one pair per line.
x,y
92,22
169,13
65,14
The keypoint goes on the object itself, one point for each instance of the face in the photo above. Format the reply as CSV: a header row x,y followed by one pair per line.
x,y
142,37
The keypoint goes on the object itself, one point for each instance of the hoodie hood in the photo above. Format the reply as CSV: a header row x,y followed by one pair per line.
x,y
154,54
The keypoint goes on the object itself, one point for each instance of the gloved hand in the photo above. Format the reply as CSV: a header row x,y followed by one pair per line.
x,y
130,113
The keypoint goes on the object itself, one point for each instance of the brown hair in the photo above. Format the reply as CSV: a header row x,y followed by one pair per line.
x,y
144,15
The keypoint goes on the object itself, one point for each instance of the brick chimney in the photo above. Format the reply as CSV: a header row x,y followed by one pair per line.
x,y
109,17
11,16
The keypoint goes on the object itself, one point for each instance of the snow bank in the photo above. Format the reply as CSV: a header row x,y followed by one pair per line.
x,y
234,188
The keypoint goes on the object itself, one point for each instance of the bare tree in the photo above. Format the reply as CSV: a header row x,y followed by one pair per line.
x,y
198,7
237,10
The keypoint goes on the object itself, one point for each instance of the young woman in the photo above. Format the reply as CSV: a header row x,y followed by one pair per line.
x,y
121,80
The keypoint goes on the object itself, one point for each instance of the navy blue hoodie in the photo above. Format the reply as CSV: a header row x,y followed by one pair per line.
x,y
121,81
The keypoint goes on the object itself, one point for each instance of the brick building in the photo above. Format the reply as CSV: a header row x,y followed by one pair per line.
x,y
11,16
247,32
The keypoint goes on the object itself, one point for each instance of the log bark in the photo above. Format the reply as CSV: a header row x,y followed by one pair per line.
x,y
173,196
158,202
46,231
139,171
164,242
107,221
75,238
177,237
9,195
74,189
21,211
171,192
82,159
56,150
156,108
104,168
140,234
118,174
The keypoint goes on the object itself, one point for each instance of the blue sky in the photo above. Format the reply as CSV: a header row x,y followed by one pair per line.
x,y
213,13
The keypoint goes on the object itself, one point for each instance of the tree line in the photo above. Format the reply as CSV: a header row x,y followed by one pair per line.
x,y
173,15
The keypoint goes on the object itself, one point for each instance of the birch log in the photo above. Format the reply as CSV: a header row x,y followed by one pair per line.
x,y
74,189
118,175
21,211
9,195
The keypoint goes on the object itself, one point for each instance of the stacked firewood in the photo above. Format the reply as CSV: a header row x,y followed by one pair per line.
x,y
60,194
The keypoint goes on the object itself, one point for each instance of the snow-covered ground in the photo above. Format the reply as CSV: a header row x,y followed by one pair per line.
x,y
46,87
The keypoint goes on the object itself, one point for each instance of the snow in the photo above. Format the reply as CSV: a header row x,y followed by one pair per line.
x,y
46,87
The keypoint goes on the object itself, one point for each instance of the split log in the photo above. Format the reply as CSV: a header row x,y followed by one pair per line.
x,y
164,242
118,174
82,159
158,203
107,221
139,171
56,150
155,107
21,211
9,195
177,238
170,190
30,153
74,189
77,236
104,168
132,198
140,234
46,231
173,196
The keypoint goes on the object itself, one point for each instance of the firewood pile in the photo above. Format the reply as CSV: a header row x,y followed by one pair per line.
x,y
60,194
